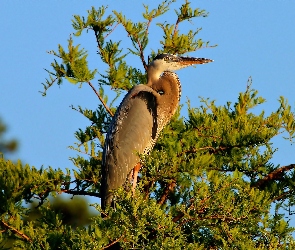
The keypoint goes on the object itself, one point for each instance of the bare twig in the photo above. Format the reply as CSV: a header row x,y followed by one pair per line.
x,y
111,31
148,25
176,27
101,100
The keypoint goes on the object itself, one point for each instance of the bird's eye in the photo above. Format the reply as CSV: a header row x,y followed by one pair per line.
x,y
161,92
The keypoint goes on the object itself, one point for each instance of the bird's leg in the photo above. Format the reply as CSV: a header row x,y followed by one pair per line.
x,y
135,174
130,175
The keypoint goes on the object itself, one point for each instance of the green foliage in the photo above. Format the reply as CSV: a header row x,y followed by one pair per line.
x,y
209,183
74,66
177,43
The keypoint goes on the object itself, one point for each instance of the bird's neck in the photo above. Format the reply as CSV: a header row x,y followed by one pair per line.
x,y
153,75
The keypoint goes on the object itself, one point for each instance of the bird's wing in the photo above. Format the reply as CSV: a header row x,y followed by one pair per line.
x,y
132,132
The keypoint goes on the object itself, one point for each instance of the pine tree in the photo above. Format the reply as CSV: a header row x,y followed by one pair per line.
x,y
209,182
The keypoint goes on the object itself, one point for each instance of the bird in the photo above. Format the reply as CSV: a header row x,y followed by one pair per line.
x,y
138,121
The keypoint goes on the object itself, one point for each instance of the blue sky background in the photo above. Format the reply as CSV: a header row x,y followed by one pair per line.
x,y
255,38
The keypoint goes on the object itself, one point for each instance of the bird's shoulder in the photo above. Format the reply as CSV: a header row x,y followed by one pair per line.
x,y
139,100
138,94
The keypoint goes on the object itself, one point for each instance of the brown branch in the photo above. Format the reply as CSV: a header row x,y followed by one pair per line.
x,y
140,50
178,217
176,27
277,174
283,195
148,25
14,230
141,55
147,188
114,242
168,189
101,100
111,31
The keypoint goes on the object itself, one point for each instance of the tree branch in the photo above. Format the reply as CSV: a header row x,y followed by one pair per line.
x,y
277,174
111,31
114,242
169,187
283,195
81,192
14,230
101,100
141,54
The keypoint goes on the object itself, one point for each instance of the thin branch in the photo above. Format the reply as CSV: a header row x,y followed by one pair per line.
x,y
148,25
111,31
142,55
114,242
101,100
191,204
212,149
97,40
104,214
178,217
14,230
140,50
81,192
176,27
168,189
283,195
274,175
147,188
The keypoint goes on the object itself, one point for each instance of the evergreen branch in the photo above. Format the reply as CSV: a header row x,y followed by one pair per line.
x,y
81,192
211,149
97,40
283,195
162,8
274,175
48,84
191,204
134,32
217,149
114,242
14,230
100,98
178,217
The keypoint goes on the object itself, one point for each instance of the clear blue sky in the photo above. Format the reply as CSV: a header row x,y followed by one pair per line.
x,y
255,38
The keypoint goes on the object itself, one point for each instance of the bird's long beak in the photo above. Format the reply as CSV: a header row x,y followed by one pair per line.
x,y
187,61
179,62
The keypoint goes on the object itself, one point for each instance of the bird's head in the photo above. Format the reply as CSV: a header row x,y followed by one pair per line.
x,y
169,62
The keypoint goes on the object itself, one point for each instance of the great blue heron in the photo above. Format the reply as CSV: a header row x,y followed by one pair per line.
x,y
139,119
